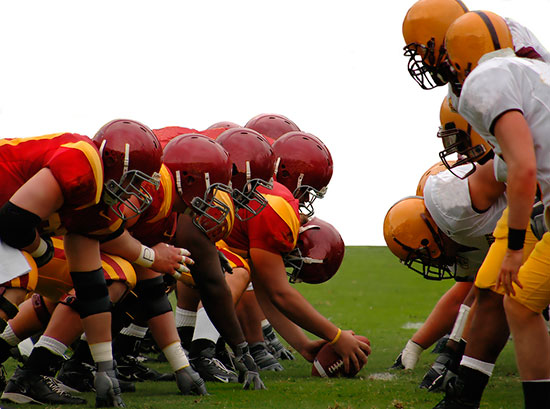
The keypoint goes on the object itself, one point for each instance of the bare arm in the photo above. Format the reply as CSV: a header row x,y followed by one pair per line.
x,y
269,271
516,142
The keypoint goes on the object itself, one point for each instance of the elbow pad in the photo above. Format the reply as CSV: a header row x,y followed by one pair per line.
x,y
17,226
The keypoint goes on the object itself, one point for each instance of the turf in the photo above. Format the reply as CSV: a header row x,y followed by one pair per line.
x,y
375,296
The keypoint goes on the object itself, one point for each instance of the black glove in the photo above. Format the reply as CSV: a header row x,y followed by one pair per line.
x,y
190,382
537,220
47,255
248,370
226,267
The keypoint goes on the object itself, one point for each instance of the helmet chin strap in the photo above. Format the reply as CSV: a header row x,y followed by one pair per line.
x,y
207,180
277,163
248,171
299,182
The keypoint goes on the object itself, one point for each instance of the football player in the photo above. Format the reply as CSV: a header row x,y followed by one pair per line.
x,y
54,176
445,234
503,98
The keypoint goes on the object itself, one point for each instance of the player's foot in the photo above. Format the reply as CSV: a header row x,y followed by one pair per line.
x,y
80,376
262,357
440,373
211,369
28,387
130,369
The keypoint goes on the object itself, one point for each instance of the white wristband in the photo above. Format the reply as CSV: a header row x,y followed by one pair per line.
x,y
146,257
41,250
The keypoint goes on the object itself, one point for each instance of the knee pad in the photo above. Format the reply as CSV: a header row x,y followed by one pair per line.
x,y
91,291
40,309
6,305
17,226
152,298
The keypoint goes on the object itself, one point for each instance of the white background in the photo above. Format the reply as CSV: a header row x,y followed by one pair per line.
x,y
334,68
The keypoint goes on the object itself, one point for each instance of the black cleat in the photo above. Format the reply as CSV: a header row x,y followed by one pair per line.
x,y
28,387
398,364
130,369
441,372
211,369
80,376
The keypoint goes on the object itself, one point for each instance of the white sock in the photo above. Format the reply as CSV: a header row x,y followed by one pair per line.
x,y
51,344
9,336
476,364
204,329
185,318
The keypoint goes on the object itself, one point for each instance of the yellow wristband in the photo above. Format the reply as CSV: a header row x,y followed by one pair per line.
x,y
337,337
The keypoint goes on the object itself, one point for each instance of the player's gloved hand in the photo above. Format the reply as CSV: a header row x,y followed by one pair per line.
x,y
44,253
275,346
248,370
226,267
107,387
190,382
408,358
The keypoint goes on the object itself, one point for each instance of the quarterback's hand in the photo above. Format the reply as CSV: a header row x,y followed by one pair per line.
x,y
248,370
509,269
189,382
352,351
171,260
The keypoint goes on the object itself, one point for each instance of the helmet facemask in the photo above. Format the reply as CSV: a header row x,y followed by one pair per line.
x,y
421,261
458,141
306,195
428,71
210,212
129,193
294,261
249,198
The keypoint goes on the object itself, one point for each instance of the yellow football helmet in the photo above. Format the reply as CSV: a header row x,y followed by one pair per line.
x,y
412,235
458,137
433,170
473,35
424,29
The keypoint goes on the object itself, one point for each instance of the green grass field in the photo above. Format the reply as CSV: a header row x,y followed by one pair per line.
x,y
375,296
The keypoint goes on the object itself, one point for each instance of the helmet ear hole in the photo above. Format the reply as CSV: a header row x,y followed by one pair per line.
x,y
425,242
189,180
285,174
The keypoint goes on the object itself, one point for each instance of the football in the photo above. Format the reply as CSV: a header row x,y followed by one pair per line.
x,y
328,364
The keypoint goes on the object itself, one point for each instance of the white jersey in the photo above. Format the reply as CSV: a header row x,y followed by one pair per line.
x,y
526,44
447,198
500,83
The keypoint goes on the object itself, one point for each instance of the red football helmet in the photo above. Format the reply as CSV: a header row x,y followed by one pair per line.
x,y
304,166
202,170
224,124
272,125
253,166
131,155
318,253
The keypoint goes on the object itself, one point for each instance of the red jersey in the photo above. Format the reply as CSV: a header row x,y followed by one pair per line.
x,y
73,160
274,229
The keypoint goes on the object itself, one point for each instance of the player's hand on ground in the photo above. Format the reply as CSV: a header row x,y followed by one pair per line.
x,y
352,351
249,374
189,382
171,260
509,270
